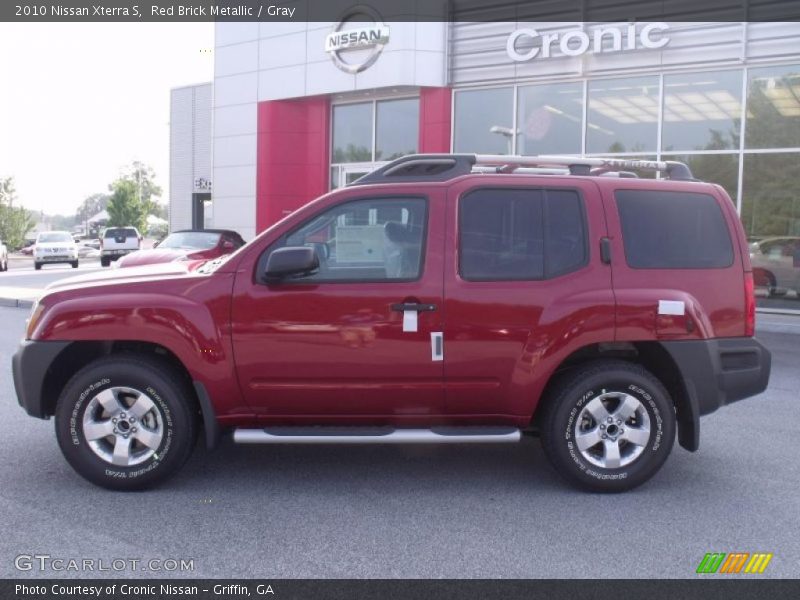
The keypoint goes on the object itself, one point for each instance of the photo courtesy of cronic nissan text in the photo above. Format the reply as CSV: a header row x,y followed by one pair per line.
x,y
400,299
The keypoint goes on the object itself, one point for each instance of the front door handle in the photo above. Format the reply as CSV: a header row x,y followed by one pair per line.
x,y
415,306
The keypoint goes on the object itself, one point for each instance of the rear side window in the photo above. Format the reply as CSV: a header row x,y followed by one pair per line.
x,y
520,234
673,230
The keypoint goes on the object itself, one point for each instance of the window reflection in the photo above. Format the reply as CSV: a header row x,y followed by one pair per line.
x,y
622,115
773,108
549,119
397,128
484,121
715,168
702,111
352,133
771,195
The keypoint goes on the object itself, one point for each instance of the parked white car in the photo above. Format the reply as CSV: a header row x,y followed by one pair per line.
x,y
3,257
55,247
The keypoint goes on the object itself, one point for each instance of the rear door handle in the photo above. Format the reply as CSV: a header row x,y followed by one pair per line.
x,y
415,306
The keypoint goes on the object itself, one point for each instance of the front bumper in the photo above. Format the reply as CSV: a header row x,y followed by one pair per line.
x,y
720,371
30,366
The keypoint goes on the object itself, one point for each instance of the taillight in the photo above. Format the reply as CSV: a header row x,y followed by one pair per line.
x,y
749,305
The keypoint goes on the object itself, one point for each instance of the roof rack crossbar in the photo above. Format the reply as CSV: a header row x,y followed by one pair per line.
x,y
443,167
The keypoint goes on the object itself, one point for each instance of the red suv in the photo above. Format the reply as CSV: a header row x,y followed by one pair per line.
x,y
439,299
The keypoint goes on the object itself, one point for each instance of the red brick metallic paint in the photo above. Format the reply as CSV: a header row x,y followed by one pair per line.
x,y
335,352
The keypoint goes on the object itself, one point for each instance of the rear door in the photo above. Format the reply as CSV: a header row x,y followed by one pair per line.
x,y
524,287
678,271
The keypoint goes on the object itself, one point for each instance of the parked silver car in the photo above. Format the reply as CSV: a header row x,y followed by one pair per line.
x,y
776,264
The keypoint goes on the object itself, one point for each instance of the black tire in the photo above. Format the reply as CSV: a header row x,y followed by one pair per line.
x,y
74,264
4,265
37,266
104,262
601,380
173,406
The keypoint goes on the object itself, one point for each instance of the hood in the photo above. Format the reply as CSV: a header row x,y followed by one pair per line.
x,y
120,276
151,257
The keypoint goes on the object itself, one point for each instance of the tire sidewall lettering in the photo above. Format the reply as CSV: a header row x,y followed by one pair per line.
x,y
111,471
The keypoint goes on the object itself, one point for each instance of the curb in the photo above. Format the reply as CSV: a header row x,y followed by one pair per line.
x,y
15,303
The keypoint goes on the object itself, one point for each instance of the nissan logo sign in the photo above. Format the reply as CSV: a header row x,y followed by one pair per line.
x,y
358,39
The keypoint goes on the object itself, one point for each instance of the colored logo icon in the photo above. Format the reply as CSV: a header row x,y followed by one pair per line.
x,y
735,562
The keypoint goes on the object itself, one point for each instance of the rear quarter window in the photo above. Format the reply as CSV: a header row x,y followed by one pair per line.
x,y
673,230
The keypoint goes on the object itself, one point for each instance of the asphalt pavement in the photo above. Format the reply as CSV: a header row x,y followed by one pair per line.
x,y
440,511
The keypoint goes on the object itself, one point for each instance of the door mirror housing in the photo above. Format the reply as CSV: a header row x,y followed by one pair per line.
x,y
291,261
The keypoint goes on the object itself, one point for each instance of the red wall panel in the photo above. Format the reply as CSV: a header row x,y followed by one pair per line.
x,y
434,119
292,156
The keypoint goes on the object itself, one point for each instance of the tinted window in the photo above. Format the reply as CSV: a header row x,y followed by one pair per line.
x,y
120,231
520,234
673,230
363,240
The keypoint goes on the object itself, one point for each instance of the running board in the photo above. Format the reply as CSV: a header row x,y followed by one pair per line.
x,y
376,435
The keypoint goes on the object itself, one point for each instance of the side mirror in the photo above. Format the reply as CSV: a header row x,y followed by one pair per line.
x,y
291,261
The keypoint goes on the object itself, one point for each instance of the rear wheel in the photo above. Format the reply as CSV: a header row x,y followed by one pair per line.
x,y
104,262
4,264
74,264
608,426
37,266
126,422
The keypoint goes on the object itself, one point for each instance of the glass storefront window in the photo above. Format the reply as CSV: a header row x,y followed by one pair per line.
x,y
549,119
484,121
702,111
397,131
771,195
352,132
714,168
622,115
773,108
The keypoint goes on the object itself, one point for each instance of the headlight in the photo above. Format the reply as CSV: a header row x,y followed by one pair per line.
x,y
36,314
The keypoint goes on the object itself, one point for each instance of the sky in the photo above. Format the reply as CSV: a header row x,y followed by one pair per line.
x,y
81,101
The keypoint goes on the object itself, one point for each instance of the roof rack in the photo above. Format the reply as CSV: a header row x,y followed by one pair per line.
x,y
443,167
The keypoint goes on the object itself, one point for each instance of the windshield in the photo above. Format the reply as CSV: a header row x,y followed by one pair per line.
x,y
55,236
190,240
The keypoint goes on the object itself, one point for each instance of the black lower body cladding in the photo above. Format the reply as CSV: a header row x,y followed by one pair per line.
x,y
720,371
30,364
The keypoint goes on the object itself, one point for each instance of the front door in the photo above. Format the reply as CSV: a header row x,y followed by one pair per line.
x,y
355,337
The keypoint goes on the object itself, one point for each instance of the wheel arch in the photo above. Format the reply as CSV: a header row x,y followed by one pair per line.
x,y
79,354
652,356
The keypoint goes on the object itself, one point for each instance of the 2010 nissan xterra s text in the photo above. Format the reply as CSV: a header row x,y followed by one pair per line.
x,y
439,299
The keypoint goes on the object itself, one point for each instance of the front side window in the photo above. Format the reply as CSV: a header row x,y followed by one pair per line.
x,y
673,230
376,240
520,234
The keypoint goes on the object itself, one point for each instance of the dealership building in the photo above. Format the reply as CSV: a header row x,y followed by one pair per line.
x,y
298,109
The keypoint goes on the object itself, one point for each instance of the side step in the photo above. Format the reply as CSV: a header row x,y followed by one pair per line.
x,y
376,435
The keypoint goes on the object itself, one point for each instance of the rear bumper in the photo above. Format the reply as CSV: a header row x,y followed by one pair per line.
x,y
30,364
720,371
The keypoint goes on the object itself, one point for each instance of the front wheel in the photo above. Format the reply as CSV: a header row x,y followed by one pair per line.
x,y
37,266
74,264
126,422
608,426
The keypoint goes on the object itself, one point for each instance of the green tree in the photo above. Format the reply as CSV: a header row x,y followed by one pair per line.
x,y
125,209
91,206
132,197
15,221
